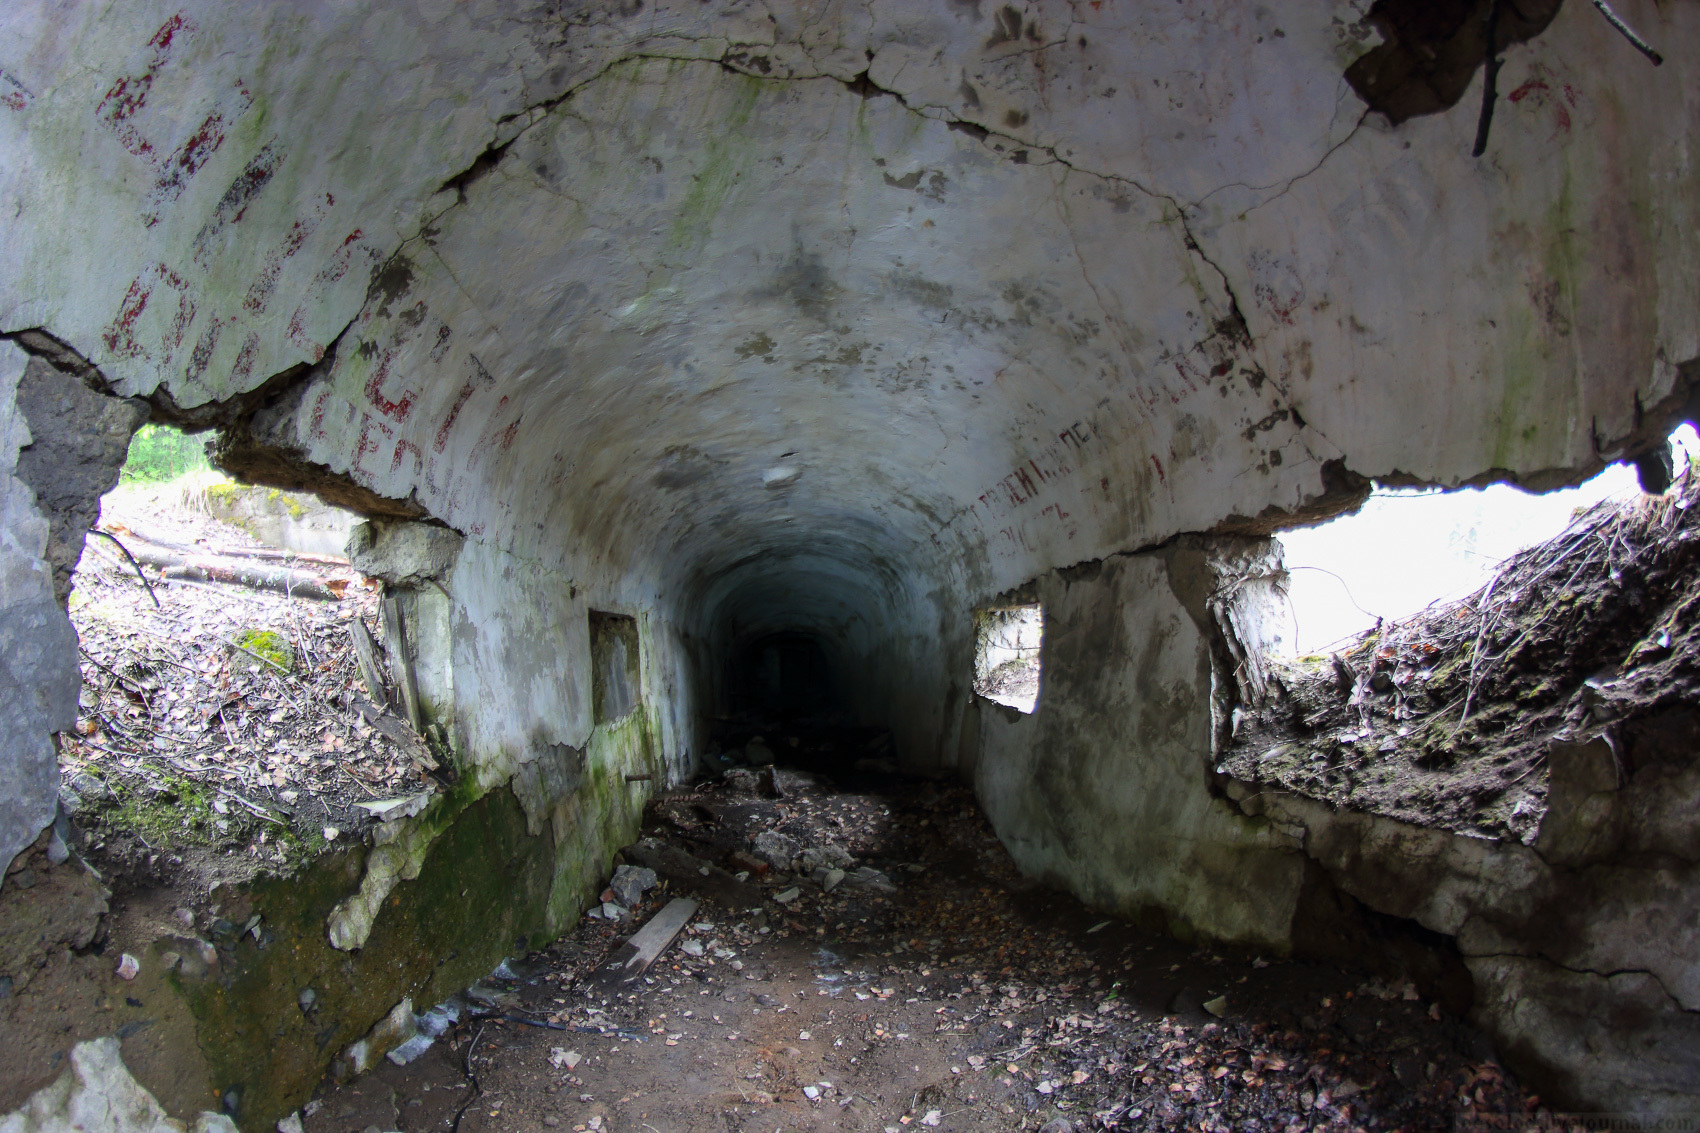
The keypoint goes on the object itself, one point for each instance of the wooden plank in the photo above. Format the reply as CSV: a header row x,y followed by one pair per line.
x,y
398,733
401,660
366,657
634,957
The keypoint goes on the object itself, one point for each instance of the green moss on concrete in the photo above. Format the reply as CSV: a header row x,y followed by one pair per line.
x,y
725,158
481,894
604,814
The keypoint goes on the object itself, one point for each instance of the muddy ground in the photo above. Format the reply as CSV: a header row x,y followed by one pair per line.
x,y
959,996
1444,719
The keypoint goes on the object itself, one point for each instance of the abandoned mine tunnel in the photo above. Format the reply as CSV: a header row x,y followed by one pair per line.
x,y
827,463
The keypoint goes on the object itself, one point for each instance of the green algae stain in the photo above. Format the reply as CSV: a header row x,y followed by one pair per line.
x,y
724,160
605,813
481,895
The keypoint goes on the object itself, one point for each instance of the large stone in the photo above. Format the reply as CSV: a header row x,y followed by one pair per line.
x,y
1596,1042
96,1094
39,677
80,437
403,552
61,910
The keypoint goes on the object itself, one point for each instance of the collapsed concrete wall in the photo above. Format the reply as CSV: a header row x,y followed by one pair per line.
x,y
843,322
1573,945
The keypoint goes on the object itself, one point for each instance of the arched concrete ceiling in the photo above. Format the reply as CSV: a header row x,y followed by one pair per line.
x,y
950,292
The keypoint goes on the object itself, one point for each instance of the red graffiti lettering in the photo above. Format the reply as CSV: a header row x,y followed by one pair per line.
x,y
493,438
396,410
316,420
466,391
480,377
185,162
340,262
260,291
231,207
243,369
402,447
201,356
367,443
13,94
120,334
126,97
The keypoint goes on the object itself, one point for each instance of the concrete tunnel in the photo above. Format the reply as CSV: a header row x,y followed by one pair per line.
x,y
826,327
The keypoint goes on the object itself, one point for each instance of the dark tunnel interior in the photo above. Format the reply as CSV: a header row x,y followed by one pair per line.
x,y
785,676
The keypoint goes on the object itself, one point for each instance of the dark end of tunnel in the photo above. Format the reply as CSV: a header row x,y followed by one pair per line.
x,y
785,677
788,704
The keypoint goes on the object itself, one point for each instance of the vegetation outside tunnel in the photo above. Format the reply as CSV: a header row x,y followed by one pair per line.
x,y
159,453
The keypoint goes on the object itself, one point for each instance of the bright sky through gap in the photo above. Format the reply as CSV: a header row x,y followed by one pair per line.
x,y
1408,548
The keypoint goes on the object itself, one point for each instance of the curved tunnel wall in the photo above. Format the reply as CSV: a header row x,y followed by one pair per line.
x,y
766,320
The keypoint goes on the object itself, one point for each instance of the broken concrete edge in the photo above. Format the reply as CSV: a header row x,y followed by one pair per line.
x,y
402,552
1489,903
245,451
97,1092
509,891
400,844
360,1056
1296,877
398,851
39,676
41,496
237,452
1342,490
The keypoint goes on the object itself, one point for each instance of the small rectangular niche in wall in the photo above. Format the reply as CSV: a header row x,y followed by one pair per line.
x,y
1006,654
613,665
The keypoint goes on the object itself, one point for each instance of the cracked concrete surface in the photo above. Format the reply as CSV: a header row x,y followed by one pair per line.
x,y
840,319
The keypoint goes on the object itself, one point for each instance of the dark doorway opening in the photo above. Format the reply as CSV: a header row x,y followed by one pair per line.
x,y
784,676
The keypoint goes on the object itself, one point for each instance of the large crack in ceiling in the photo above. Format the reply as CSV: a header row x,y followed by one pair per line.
x,y
951,294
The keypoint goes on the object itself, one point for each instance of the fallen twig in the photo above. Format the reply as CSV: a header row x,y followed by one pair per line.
x,y
1628,33
1490,83
133,563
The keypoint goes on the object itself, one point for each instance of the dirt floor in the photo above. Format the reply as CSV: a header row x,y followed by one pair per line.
x,y
941,990
1444,719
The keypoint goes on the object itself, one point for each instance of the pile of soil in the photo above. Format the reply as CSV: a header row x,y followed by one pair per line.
x,y
1444,719
942,991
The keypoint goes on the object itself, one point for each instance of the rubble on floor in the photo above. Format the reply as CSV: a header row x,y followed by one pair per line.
x,y
943,991
1446,718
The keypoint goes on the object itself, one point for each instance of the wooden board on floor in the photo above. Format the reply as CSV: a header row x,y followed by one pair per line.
x,y
634,957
